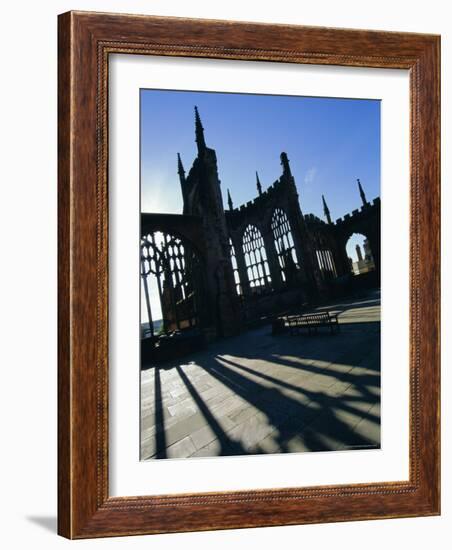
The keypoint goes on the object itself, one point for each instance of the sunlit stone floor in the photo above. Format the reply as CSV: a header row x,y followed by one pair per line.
x,y
257,393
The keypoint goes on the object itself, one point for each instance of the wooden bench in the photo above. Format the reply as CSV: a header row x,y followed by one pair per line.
x,y
312,321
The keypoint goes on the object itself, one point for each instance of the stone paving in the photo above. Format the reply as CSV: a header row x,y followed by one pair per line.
x,y
257,393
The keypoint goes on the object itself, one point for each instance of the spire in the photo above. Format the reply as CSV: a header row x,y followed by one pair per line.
x,y
358,253
231,206
361,192
326,210
180,168
199,130
181,172
258,184
285,165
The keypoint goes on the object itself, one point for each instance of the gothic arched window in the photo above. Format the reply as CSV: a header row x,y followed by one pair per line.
x,y
285,248
326,263
169,268
235,268
256,262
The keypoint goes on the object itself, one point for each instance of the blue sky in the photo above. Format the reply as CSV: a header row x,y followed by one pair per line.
x,y
330,143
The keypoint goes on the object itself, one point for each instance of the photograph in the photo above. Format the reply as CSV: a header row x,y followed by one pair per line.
x,y
215,337
259,261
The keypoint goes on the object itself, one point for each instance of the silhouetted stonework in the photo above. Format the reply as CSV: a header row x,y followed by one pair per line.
x,y
280,258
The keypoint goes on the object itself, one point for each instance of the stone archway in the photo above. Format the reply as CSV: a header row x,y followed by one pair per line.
x,y
359,254
365,221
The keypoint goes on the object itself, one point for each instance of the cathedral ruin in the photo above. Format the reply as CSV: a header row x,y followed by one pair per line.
x,y
220,270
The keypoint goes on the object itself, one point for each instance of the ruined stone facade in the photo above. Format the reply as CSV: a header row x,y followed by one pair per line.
x,y
223,269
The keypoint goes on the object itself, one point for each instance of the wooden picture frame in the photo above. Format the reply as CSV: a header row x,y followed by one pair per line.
x,y
86,40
